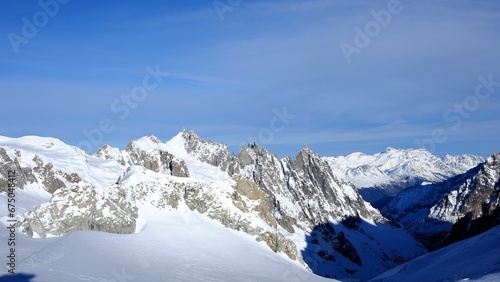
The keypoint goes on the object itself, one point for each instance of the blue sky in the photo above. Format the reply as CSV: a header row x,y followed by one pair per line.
x,y
272,72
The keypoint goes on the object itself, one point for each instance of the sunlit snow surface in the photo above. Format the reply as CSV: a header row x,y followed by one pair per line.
x,y
179,245
98,172
175,245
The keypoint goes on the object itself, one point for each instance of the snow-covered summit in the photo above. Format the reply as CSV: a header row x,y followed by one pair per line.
x,y
50,164
403,166
388,172
296,207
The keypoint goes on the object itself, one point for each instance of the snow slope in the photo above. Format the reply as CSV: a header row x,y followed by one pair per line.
x,y
179,245
169,229
474,259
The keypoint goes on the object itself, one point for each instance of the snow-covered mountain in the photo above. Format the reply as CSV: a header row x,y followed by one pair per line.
x,y
283,204
382,176
430,211
177,245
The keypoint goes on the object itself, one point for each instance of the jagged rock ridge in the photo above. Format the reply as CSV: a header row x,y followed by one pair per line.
x,y
278,201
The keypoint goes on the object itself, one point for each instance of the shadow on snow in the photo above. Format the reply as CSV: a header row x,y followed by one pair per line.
x,y
19,277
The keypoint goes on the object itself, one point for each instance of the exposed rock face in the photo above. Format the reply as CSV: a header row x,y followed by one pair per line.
x,y
248,189
50,178
476,196
6,165
279,244
467,227
109,153
152,158
156,160
271,199
251,192
307,180
430,211
207,151
342,198
303,193
80,208
178,167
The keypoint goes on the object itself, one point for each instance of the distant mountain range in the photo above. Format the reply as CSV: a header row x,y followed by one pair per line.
x,y
308,208
381,176
429,211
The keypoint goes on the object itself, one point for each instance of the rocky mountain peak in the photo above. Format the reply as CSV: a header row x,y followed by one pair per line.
x,y
307,157
493,160
154,139
277,201
216,154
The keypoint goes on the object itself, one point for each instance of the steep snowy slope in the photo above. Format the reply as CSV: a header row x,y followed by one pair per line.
x,y
385,174
474,259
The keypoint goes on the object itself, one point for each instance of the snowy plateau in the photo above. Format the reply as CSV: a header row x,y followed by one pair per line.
x,y
190,210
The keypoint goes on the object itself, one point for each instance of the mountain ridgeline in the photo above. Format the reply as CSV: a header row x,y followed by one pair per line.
x,y
380,177
305,207
451,210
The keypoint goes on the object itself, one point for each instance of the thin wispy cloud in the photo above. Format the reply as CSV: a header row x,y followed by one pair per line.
x,y
228,76
206,79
